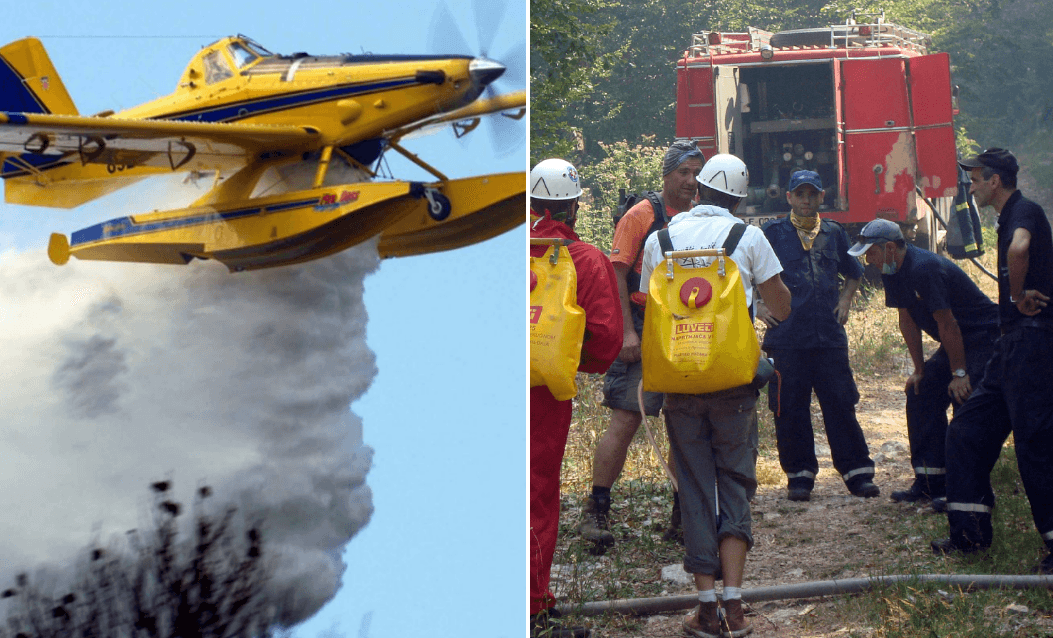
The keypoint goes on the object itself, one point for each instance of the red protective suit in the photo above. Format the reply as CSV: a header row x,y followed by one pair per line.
x,y
550,419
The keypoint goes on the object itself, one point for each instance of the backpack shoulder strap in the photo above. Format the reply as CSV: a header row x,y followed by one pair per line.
x,y
664,241
660,219
732,242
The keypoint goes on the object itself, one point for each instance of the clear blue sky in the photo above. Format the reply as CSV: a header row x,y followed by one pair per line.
x,y
444,552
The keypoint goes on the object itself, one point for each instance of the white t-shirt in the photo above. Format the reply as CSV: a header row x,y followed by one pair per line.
x,y
705,227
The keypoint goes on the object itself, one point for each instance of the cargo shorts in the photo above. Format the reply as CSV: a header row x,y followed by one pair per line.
x,y
622,379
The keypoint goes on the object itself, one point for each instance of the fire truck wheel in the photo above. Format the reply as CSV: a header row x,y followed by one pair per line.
x,y
806,37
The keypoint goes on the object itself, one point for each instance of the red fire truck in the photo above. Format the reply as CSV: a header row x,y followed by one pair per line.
x,y
863,103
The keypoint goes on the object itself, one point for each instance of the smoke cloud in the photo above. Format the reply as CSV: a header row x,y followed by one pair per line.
x,y
116,375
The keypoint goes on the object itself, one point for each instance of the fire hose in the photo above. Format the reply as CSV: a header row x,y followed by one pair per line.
x,y
665,604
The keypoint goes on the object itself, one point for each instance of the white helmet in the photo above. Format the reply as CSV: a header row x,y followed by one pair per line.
x,y
725,173
555,179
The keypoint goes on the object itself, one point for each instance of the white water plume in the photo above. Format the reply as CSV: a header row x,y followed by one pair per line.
x,y
117,375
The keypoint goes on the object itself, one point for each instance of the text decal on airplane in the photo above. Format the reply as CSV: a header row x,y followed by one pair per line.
x,y
330,200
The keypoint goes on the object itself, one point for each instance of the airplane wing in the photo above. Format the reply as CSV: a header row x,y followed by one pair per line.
x,y
129,143
72,157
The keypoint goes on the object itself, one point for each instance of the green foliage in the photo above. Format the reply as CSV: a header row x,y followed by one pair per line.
x,y
636,168
1001,56
965,144
595,226
566,60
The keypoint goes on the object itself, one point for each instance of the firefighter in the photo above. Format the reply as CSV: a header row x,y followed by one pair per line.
x,y
682,162
554,192
934,295
1014,394
711,435
810,348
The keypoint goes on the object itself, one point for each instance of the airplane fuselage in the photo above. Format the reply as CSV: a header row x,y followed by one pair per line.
x,y
347,98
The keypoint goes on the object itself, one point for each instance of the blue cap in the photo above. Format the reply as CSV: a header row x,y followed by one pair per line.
x,y
996,158
805,177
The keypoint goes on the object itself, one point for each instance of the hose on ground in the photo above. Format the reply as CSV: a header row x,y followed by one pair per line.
x,y
664,604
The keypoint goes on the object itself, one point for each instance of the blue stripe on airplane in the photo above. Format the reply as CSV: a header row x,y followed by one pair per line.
x,y
11,168
225,113
240,110
126,227
15,94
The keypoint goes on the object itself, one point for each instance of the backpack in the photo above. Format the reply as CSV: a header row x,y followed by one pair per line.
x,y
626,202
557,322
698,336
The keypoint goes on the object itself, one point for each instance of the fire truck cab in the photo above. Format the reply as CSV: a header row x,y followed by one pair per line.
x,y
863,104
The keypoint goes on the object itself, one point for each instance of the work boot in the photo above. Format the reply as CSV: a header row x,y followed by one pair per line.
x,y
921,490
913,495
939,504
735,623
675,532
704,623
947,547
595,527
865,489
799,494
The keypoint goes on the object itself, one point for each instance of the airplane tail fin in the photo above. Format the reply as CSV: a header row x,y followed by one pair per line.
x,y
29,82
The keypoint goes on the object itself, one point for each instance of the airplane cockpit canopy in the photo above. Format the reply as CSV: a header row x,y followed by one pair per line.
x,y
245,51
241,54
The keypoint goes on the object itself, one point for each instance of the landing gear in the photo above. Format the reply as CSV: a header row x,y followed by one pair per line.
x,y
438,204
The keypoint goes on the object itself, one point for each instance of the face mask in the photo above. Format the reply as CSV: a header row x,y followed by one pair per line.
x,y
889,269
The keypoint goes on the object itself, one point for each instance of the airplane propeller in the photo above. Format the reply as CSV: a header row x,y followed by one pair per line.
x,y
445,36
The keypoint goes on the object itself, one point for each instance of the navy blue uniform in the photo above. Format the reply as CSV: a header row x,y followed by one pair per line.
x,y
810,351
1014,396
924,284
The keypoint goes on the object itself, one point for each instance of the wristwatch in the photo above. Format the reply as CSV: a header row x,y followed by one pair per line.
x,y
960,373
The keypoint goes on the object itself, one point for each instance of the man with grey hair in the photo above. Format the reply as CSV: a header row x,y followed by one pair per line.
x,y
681,164
1013,396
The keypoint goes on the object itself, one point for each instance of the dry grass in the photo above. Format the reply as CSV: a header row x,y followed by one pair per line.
x,y
876,348
642,500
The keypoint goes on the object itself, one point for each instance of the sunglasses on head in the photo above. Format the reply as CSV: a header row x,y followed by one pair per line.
x,y
863,239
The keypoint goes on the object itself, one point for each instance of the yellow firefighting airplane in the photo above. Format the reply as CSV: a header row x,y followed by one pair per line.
x,y
239,113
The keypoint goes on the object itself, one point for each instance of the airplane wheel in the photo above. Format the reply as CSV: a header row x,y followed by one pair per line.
x,y
438,205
